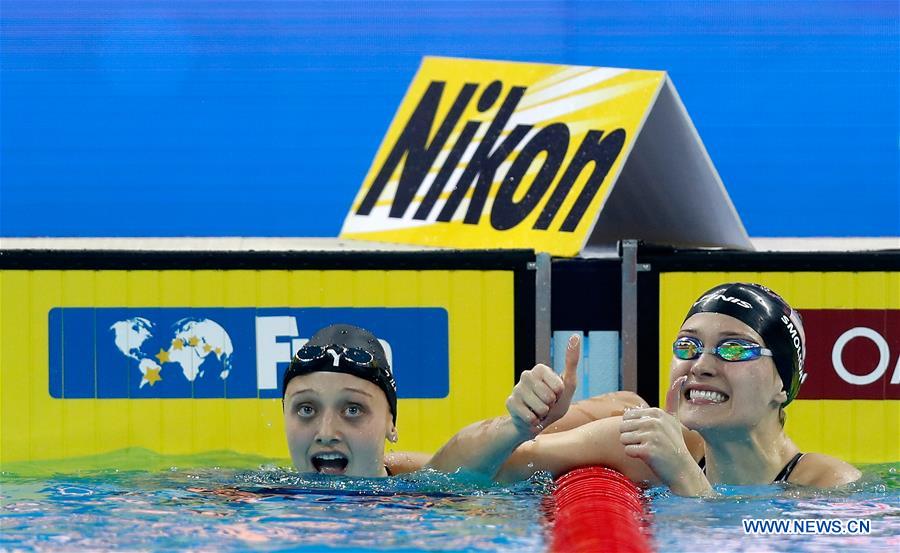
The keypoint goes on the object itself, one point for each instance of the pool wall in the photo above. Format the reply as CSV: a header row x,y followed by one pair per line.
x,y
183,353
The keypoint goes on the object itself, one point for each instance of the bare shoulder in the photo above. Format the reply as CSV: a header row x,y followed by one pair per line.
x,y
823,471
401,462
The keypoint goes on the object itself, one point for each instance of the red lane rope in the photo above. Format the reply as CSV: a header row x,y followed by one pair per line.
x,y
598,509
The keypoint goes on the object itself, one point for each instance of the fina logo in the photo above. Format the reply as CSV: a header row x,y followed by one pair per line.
x,y
207,353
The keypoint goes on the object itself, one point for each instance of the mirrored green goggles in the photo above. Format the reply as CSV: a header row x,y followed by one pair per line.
x,y
732,349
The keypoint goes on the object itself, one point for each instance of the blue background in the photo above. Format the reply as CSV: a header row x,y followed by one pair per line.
x,y
197,118
85,362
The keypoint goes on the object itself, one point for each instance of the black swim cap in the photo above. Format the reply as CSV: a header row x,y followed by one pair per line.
x,y
376,371
769,315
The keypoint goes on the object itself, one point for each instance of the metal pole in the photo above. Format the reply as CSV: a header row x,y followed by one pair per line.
x,y
628,367
542,309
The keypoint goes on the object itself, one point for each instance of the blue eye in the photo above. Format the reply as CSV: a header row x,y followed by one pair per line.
x,y
353,410
306,411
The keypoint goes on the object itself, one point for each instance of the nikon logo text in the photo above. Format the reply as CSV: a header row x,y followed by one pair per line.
x,y
415,154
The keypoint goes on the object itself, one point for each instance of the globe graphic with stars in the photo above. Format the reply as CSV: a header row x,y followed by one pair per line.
x,y
199,347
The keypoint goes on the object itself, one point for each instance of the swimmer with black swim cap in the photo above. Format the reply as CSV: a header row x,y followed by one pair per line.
x,y
738,360
770,316
340,403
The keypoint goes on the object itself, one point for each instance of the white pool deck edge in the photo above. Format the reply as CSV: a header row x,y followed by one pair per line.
x,y
279,244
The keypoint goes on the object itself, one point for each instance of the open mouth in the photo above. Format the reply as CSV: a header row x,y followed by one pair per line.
x,y
705,397
330,463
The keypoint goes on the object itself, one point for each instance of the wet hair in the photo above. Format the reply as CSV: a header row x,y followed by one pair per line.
x,y
771,317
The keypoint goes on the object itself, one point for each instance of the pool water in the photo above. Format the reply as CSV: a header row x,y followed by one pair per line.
x,y
216,503
716,525
269,508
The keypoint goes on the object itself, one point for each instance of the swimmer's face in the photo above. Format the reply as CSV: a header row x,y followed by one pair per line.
x,y
725,394
336,423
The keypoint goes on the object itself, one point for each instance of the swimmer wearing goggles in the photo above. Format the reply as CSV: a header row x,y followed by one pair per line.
x,y
728,409
340,403
732,349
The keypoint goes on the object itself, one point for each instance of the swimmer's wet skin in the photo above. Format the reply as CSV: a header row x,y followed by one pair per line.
x,y
539,399
764,312
732,374
738,361
340,403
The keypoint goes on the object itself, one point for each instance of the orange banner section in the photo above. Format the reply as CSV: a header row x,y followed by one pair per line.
x,y
862,347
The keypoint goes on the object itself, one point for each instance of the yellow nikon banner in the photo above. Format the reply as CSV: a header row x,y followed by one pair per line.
x,y
849,405
488,154
188,361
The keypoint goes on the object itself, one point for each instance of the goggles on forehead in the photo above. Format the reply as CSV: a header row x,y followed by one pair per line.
x,y
731,349
338,356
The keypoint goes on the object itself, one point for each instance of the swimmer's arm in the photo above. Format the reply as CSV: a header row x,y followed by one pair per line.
x,y
469,449
823,471
402,462
658,439
539,399
480,447
594,443
612,404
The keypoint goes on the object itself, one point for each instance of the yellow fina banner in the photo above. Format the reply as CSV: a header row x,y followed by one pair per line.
x,y
186,361
849,405
502,155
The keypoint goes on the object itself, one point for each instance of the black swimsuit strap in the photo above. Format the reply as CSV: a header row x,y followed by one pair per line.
x,y
788,469
782,476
